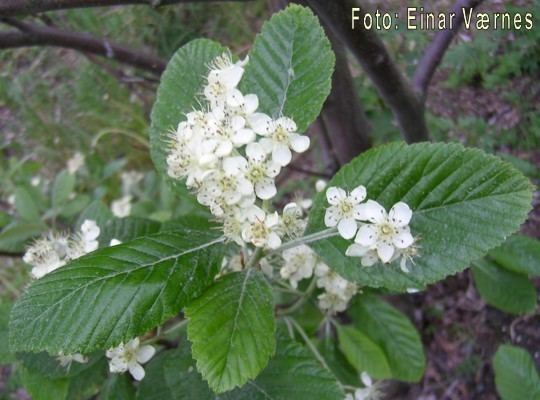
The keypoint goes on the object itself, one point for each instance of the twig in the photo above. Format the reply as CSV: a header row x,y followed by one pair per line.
x,y
25,7
310,172
41,35
435,51
371,53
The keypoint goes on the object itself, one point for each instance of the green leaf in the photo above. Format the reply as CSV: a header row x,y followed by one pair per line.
x,y
75,206
292,374
116,293
96,211
63,185
464,203
14,236
290,66
172,375
516,376
126,229
119,387
504,289
337,362
6,356
363,353
48,366
178,93
43,388
394,333
232,328
520,254
25,205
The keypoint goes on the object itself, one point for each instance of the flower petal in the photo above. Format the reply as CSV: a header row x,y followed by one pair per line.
x,y
243,136
400,214
272,169
260,123
235,98
251,103
403,238
266,189
274,241
347,228
233,165
358,194
334,195
145,353
385,251
299,143
281,155
331,218
371,211
369,259
255,152
136,371
356,250
367,235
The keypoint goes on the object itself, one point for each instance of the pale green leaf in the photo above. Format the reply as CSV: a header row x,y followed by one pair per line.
x,y
26,206
394,333
464,203
232,329
43,388
116,293
509,291
119,387
14,236
520,254
516,376
63,185
363,353
290,66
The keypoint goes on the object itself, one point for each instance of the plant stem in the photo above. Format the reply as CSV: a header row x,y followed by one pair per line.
x,y
301,301
255,258
314,237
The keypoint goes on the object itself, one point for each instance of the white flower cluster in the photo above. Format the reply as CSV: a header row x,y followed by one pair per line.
x,y
55,250
337,290
121,207
380,235
129,357
230,155
370,391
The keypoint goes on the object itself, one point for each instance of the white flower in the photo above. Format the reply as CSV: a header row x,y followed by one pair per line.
x,y
115,242
368,254
129,357
386,232
332,302
47,254
280,137
222,80
230,132
89,233
344,210
257,169
121,207
247,105
66,360
75,162
299,264
35,181
338,291
292,223
261,229
320,185
369,392
130,179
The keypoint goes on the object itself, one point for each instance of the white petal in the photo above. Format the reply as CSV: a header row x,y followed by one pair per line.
x,y
371,211
367,235
244,186
235,98
254,214
403,238
260,123
266,189
356,250
347,228
358,194
385,251
369,259
272,219
136,371
331,218
272,169
281,155
334,195
145,353
255,152
273,241
237,122
267,144
251,103
243,136
231,76
400,214
366,379
299,143
233,165
288,124
224,148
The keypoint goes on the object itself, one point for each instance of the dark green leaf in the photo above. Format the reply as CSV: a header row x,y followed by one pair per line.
x,y
464,203
43,388
14,236
232,329
504,289
520,254
116,293
290,66
126,229
119,387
